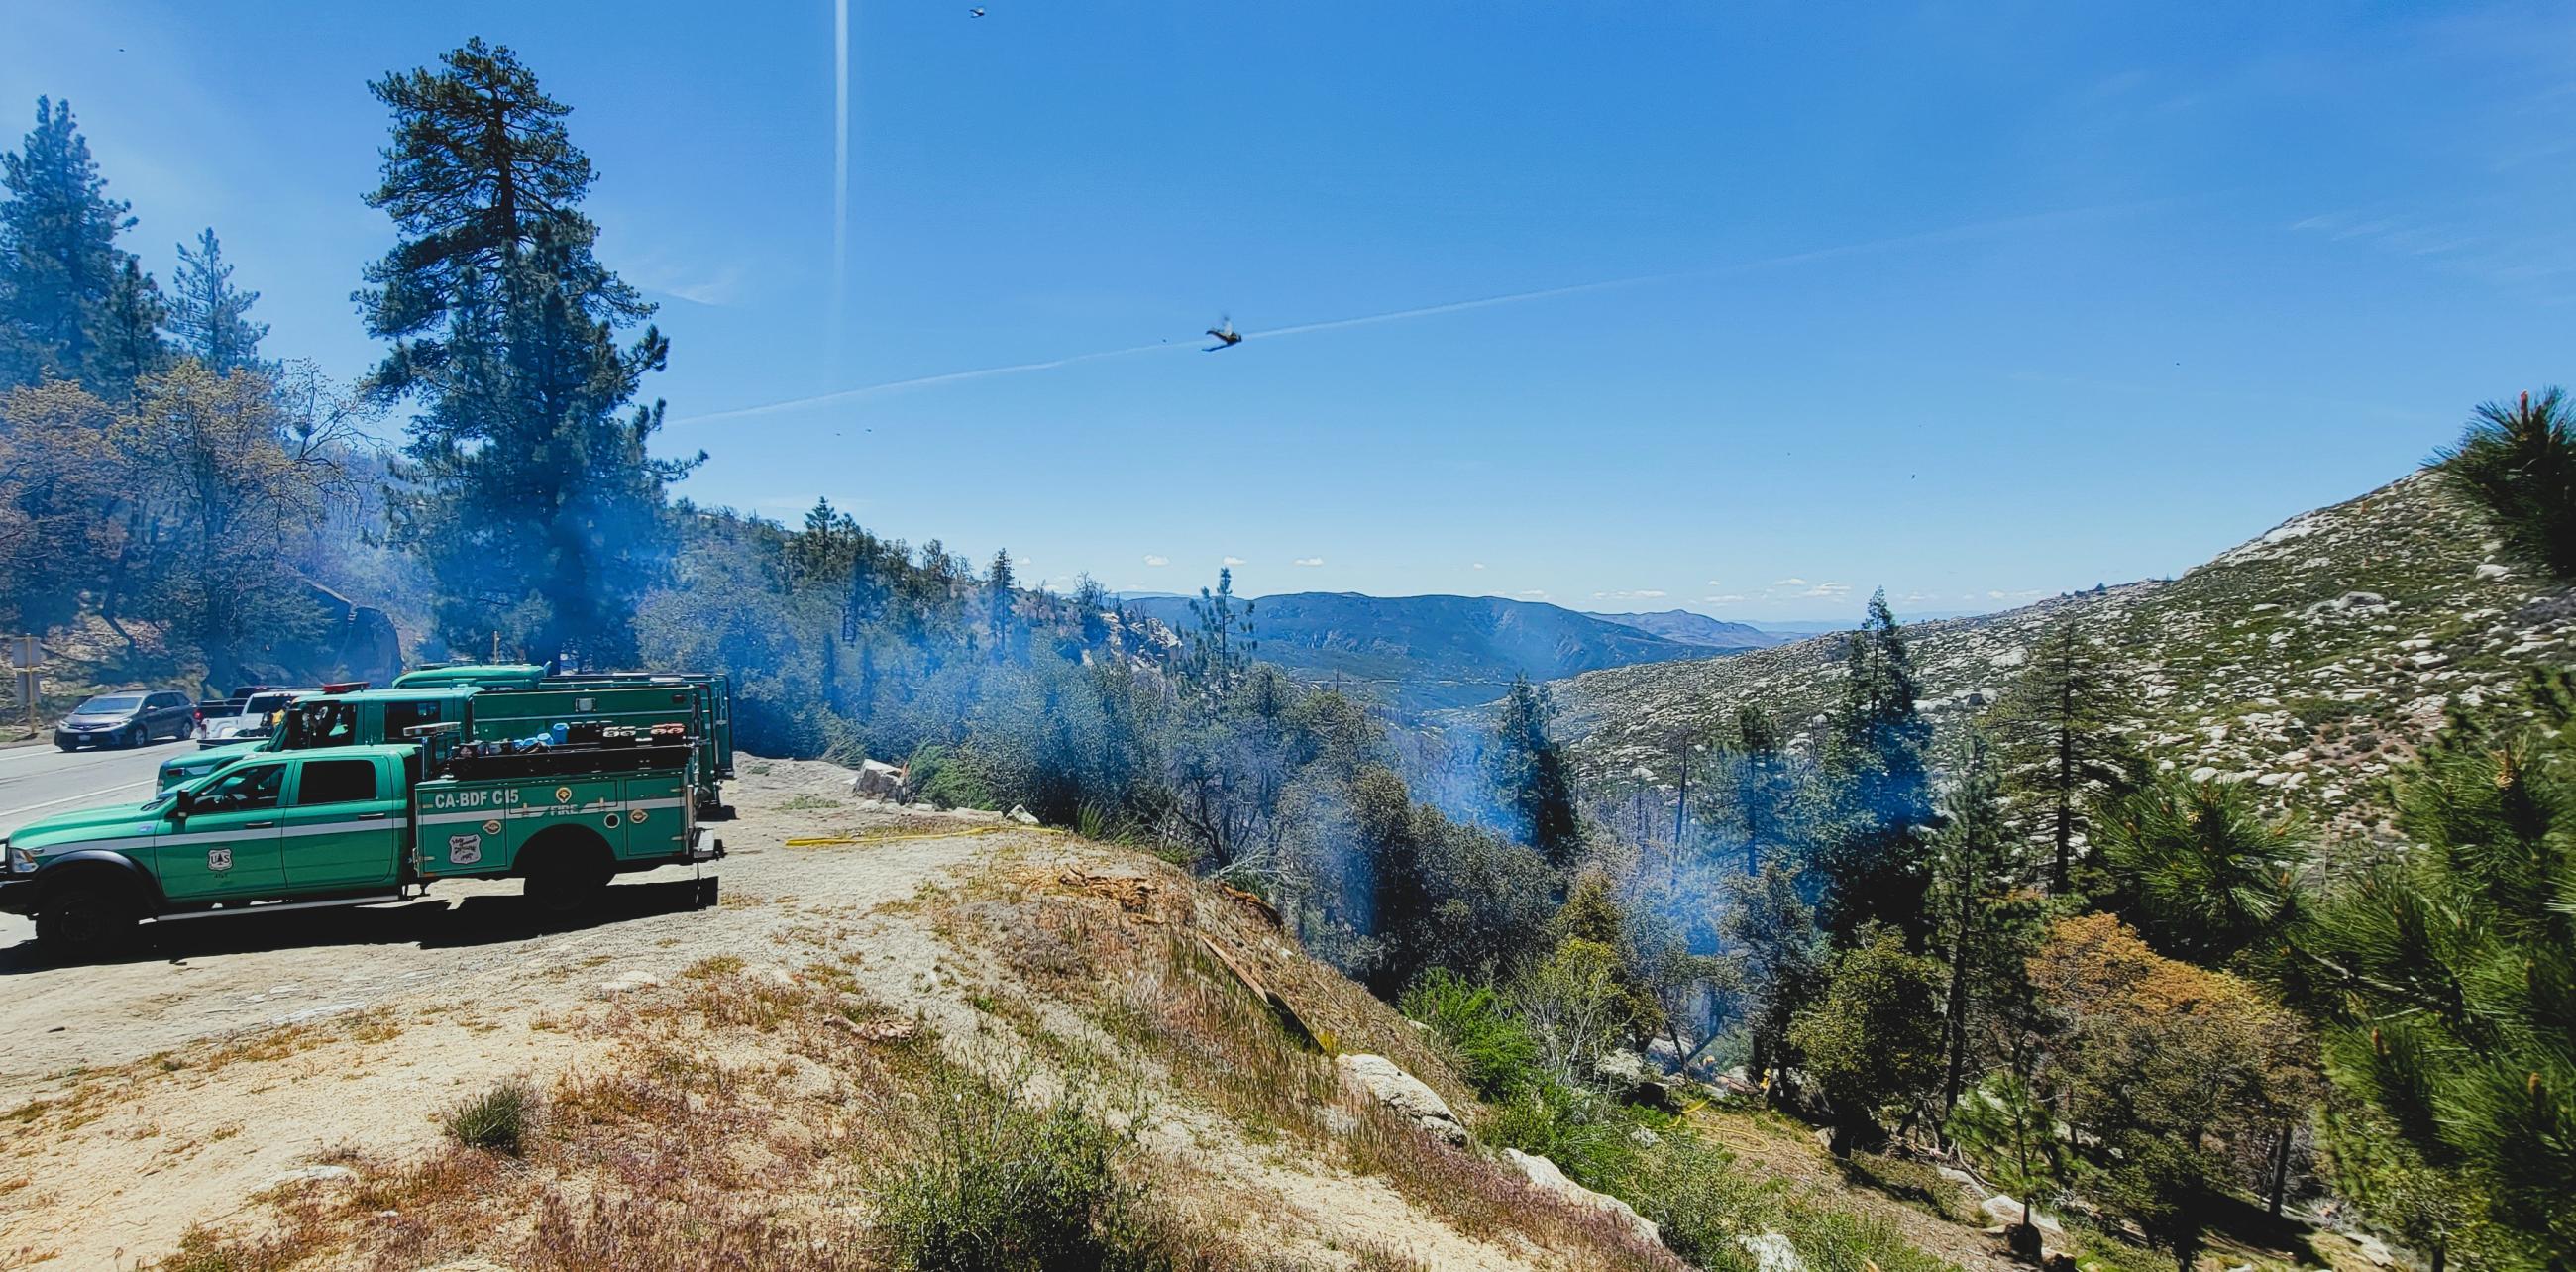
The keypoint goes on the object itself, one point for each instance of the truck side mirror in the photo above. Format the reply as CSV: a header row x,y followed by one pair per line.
x,y
187,803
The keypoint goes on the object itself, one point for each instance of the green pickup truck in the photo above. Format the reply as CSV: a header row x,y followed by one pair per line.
x,y
300,828
499,703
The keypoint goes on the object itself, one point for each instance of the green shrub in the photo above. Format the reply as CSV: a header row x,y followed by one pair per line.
x,y
1874,1043
1494,1051
497,1121
946,778
1588,1135
1704,1202
1002,1184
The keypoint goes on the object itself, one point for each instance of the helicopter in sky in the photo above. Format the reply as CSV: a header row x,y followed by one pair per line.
x,y
1226,336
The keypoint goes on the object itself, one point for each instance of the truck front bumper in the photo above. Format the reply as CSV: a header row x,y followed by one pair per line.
x,y
18,894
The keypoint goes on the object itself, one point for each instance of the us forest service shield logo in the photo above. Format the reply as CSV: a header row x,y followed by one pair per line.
x,y
219,859
464,850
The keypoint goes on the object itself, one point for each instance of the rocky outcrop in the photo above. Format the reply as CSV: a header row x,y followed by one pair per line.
x,y
1544,1173
2008,1210
876,779
1403,1093
1771,1252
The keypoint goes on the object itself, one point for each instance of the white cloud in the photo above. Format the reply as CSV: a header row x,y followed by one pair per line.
x,y
1645,594
1791,581
1721,600
1157,561
2028,594
1477,566
1827,591
1535,595
1715,583
1310,561
1230,562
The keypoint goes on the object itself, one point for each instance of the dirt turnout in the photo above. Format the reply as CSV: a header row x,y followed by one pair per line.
x,y
233,1074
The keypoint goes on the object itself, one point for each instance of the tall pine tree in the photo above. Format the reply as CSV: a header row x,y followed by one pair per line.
x,y
1001,609
2060,742
1533,776
1758,788
209,317
125,334
536,503
59,262
1971,870
1873,856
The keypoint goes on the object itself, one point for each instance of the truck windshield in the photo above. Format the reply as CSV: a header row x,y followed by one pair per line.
x,y
319,724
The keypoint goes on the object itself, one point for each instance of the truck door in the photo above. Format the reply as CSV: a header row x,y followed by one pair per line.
x,y
343,825
229,845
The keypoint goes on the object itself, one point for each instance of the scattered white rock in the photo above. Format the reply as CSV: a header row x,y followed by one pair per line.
x,y
876,779
1771,1252
1544,1173
2204,773
2005,1209
629,981
2372,1248
1404,1093
2491,570
1020,813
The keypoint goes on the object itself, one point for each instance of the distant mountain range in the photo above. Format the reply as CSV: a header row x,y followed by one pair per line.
x,y
1694,629
1421,653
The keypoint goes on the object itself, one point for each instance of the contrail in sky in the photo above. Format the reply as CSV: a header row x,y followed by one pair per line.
x,y
1971,230
924,381
840,173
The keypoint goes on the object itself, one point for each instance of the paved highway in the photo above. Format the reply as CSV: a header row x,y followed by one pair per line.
x,y
39,781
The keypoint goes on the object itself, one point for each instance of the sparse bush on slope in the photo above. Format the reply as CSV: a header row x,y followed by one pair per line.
x,y
499,1120
1002,1182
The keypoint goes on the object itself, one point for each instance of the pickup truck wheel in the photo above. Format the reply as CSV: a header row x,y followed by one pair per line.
x,y
83,919
560,889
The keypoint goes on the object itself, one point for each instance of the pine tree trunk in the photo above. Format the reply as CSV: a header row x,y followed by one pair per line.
x,y
2066,779
1955,1039
2281,1169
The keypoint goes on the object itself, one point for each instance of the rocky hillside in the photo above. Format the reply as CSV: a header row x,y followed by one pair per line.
x,y
2307,662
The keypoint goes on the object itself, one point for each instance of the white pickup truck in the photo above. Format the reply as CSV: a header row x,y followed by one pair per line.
x,y
249,719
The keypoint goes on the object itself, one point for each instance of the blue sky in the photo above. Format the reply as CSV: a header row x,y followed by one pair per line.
x,y
1973,301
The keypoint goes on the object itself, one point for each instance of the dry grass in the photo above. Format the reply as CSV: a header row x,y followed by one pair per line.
x,y
1481,1197
756,1115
